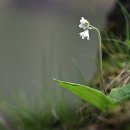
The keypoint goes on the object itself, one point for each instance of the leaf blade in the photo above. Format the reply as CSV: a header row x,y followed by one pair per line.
x,y
121,93
93,96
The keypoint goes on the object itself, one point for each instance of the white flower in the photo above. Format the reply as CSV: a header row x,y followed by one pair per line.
x,y
84,23
85,34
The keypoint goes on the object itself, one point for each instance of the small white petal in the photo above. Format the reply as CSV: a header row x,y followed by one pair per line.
x,y
84,23
81,26
85,34
82,35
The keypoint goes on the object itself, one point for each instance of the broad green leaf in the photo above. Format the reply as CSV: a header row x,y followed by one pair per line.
x,y
93,96
121,93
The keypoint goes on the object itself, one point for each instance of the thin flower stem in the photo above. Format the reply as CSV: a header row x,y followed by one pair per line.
x,y
100,59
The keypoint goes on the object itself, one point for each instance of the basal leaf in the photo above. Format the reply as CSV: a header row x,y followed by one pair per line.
x,y
93,96
121,93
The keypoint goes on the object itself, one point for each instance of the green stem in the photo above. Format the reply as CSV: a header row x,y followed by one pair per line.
x,y
100,59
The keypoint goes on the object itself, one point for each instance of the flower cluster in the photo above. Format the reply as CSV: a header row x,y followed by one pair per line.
x,y
85,25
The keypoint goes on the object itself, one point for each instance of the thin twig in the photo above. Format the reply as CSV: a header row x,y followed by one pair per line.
x,y
112,82
126,79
